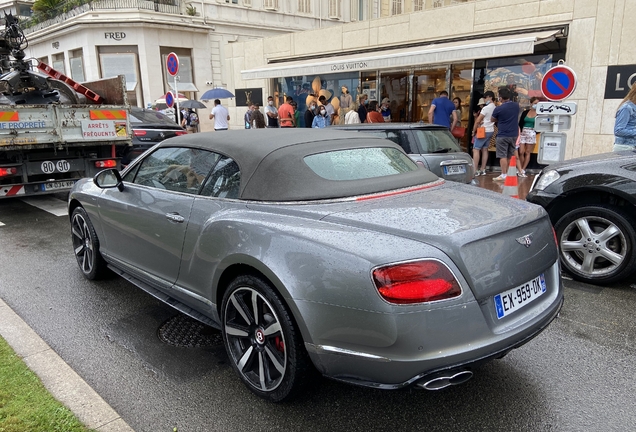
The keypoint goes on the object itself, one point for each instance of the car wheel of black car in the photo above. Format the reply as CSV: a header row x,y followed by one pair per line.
x,y
597,243
262,340
86,245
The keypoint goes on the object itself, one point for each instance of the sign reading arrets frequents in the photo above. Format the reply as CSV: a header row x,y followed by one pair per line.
x,y
558,83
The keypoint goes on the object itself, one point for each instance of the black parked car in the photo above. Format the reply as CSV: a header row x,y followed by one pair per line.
x,y
430,146
149,128
592,204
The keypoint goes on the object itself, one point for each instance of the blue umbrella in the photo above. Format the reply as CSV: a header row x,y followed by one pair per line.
x,y
216,93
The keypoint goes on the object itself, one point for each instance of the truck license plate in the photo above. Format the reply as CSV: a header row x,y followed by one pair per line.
x,y
514,299
58,185
454,169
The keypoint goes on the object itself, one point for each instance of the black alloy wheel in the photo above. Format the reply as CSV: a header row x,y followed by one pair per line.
x,y
262,340
596,243
86,245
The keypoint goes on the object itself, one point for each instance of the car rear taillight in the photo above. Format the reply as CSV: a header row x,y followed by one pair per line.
x,y
139,132
556,240
416,282
4,172
106,164
181,133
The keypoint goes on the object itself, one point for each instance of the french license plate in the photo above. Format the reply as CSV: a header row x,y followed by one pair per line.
x,y
454,169
514,299
58,185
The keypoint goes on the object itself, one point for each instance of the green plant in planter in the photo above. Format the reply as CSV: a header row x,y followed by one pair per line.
x,y
191,10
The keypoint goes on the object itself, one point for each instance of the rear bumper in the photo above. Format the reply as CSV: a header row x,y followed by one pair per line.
x,y
379,366
411,347
36,188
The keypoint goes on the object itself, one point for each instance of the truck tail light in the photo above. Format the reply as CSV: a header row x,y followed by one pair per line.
x,y
139,132
181,133
5,172
416,282
110,163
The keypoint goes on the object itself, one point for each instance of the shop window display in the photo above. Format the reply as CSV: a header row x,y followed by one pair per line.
x,y
304,89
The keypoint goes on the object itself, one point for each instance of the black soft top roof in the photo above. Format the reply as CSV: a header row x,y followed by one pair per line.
x,y
273,169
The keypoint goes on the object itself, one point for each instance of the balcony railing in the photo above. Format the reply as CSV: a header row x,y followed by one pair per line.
x,y
73,8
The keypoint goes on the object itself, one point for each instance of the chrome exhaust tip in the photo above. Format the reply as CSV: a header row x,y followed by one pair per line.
x,y
445,380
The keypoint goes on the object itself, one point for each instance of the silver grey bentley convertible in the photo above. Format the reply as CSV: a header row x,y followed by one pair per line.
x,y
323,250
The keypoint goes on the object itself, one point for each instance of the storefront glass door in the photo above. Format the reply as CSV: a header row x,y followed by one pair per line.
x,y
427,83
394,86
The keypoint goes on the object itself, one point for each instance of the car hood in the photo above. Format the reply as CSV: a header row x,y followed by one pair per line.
x,y
592,159
481,231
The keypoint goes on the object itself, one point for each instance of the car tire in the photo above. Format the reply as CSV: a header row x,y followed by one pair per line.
x,y
606,254
267,352
86,246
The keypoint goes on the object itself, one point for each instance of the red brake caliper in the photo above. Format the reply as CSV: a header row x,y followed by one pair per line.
x,y
280,345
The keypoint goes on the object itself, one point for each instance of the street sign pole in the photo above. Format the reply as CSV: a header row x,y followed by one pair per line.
x,y
557,84
172,66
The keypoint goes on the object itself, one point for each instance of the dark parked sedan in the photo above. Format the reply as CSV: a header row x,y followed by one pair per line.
x,y
330,250
431,146
149,128
592,203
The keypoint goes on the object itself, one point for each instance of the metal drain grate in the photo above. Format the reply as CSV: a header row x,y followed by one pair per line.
x,y
183,331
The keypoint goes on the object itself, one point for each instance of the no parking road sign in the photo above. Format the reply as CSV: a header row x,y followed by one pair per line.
x,y
558,83
172,64
169,99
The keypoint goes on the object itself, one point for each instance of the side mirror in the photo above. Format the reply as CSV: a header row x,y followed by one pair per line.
x,y
109,179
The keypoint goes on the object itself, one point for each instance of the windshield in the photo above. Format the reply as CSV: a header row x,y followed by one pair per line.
x,y
151,117
435,141
357,164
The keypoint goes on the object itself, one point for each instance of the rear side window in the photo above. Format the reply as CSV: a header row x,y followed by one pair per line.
x,y
151,117
435,141
225,180
398,137
357,164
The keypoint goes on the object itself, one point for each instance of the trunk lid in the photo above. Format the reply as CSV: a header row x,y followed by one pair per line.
x,y
483,232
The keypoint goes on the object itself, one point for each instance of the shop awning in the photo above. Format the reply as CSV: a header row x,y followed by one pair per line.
x,y
437,53
187,86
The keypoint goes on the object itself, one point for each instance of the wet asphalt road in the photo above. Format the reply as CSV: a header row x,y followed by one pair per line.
x,y
576,376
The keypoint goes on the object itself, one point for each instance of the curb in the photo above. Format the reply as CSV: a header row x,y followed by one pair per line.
x,y
57,376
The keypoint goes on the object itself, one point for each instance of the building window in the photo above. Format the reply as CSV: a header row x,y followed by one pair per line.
x,y
58,63
418,5
335,10
122,60
77,66
231,1
247,3
397,7
304,6
438,3
270,4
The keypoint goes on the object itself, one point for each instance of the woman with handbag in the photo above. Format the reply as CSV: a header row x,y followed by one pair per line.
x,y
483,131
457,130
528,137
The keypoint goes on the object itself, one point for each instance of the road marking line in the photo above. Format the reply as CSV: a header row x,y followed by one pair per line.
x,y
50,204
1,224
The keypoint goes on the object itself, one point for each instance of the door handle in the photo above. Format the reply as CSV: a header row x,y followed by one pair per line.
x,y
175,217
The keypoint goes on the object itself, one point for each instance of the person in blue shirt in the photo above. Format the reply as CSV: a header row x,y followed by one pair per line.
x,y
625,126
322,119
507,117
442,111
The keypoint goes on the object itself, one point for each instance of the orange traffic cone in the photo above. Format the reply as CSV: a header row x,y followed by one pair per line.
x,y
511,186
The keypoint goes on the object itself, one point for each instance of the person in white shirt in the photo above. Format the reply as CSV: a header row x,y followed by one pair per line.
x,y
480,146
352,116
271,113
220,115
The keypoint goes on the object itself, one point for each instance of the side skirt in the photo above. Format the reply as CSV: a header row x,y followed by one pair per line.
x,y
170,301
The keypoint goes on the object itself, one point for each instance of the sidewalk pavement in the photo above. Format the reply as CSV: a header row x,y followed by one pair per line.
x,y
57,376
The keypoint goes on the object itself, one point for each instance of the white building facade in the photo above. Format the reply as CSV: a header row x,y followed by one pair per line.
x,y
466,47
100,39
